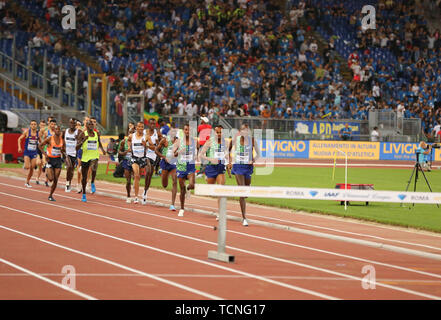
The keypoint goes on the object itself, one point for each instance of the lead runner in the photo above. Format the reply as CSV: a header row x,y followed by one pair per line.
x,y
242,162
214,154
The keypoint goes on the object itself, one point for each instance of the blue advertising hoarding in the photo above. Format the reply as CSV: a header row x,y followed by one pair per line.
x,y
305,149
329,129
294,149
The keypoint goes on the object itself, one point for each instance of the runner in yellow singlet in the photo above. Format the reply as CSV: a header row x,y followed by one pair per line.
x,y
89,141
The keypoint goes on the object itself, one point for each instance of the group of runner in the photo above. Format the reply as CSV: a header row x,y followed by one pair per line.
x,y
142,149
48,147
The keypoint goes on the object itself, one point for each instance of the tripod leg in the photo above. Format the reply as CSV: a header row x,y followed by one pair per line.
x,y
428,184
410,180
418,167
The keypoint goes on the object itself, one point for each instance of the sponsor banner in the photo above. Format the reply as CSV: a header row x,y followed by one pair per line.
x,y
285,149
318,194
398,151
330,130
353,149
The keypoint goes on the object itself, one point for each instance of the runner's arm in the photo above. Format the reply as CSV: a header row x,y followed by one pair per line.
x,y
129,143
63,151
176,147
230,160
23,135
203,153
256,147
122,152
229,165
151,144
81,139
159,147
41,145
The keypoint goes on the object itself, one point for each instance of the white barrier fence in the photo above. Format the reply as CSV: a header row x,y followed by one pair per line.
x,y
223,192
318,194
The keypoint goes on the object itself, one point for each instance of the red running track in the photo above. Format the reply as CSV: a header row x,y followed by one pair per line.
x,y
127,251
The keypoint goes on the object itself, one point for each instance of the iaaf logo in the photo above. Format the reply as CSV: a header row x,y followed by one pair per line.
x,y
331,194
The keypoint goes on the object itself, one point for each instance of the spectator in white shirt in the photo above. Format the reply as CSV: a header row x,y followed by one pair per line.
x,y
375,135
189,110
376,91
415,89
194,109
181,106
400,110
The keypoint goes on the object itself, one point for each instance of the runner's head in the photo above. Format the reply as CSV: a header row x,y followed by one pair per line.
x,y
152,123
218,131
140,127
52,124
89,126
57,130
72,123
244,129
85,120
33,125
131,126
42,124
186,130
93,119
78,125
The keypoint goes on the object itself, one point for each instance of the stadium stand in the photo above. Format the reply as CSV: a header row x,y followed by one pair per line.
x,y
239,58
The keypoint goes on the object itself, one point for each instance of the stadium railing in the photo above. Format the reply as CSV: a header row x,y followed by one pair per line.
x,y
284,129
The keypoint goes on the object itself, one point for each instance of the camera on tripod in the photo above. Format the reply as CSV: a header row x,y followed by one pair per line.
x,y
421,163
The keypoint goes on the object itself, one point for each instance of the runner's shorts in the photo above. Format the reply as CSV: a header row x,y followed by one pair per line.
x,y
213,170
141,162
73,160
55,163
243,169
191,168
127,164
166,166
30,154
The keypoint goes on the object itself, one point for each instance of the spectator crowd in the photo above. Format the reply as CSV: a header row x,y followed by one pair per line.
x,y
258,58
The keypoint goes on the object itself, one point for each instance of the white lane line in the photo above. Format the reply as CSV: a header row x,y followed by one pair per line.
x,y
38,276
214,276
231,231
288,221
224,268
277,283
141,273
308,225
